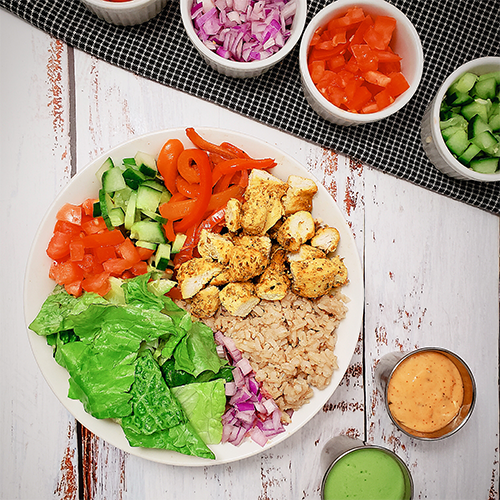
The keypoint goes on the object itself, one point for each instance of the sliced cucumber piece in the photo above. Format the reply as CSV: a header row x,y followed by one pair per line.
x,y
112,180
129,161
154,216
485,140
486,89
458,142
448,132
477,126
479,107
108,163
130,213
455,120
96,209
471,152
160,286
154,185
178,243
133,177
120,198
148,198
146,164
146,244
464,83
147,230
116,216
106,205
485,165
162,257
493,74
459,98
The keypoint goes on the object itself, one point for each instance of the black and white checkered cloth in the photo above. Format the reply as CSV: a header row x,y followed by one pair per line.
x,y
452,32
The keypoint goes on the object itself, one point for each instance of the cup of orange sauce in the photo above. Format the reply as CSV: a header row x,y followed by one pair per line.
x,y
429,393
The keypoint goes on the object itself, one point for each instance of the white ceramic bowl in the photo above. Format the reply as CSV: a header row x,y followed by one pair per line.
x,y
432,139
405,42
38,286
125,13
238,69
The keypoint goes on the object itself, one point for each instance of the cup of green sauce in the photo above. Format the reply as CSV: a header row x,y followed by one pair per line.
x,y
361,471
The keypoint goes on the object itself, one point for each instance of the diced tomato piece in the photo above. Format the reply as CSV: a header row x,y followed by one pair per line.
x,y
383,99
327,80
359,99
366,58
174,293
387,55
59,245
97,283
352,86
67,272
379,35
128,251
377,78
145,253
397,85
94,225
127,275
352,65
315,38
88,206
70,213
318,54
335,63
74,288
316,69
87,264
357,38
116,267
336,96
104,253
63,226
103,239
353,16
371,107
139,268
389,67
76,250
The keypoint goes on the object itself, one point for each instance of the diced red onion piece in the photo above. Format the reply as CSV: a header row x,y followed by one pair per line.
x,y
258,436
230,388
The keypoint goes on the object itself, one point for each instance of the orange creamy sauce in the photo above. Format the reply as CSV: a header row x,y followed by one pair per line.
x,y
425,392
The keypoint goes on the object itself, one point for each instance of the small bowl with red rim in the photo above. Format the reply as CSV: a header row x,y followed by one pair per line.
x,y
240,38
125,12
360,61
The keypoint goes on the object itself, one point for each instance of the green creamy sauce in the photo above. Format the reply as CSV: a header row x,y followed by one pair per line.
x,y
365,474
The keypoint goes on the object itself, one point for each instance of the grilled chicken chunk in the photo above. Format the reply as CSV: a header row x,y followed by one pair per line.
x,y
214,246
299,195
244,264
296,230
262,207
326,239
239,298
206,302
305,252
274,283
315,277
194,274
233,214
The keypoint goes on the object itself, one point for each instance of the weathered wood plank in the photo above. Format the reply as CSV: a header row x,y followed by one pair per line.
x,y
38,453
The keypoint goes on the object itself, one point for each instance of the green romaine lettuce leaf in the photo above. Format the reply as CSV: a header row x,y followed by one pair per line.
x,y
204,404
197,352
158,420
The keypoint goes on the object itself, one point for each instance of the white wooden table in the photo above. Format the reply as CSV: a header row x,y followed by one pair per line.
x,y
431,269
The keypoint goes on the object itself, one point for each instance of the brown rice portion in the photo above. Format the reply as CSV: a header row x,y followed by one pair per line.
x,y
289,343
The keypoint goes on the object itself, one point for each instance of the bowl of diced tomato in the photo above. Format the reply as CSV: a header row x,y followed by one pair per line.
x,y
360,61
125,12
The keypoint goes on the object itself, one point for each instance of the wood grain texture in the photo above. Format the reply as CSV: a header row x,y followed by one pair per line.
x,y
431,277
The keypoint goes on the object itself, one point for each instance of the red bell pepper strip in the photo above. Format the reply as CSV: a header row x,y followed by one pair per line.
x,y
167,162
234,165
188,189
201,143
202,201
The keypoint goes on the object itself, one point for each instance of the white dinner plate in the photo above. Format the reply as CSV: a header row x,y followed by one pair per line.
x,y
85,185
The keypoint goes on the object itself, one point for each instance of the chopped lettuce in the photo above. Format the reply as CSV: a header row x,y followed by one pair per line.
x,y
204,404
113,349
158,419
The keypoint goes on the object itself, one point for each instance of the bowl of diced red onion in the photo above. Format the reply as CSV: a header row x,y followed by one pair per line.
x,y
243,38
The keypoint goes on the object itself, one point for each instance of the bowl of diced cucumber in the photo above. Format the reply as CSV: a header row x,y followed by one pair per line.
x,y
460,129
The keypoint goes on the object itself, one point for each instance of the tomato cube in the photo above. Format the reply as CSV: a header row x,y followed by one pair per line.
x,y
70,213
398,84
59,245
97,283
76,250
